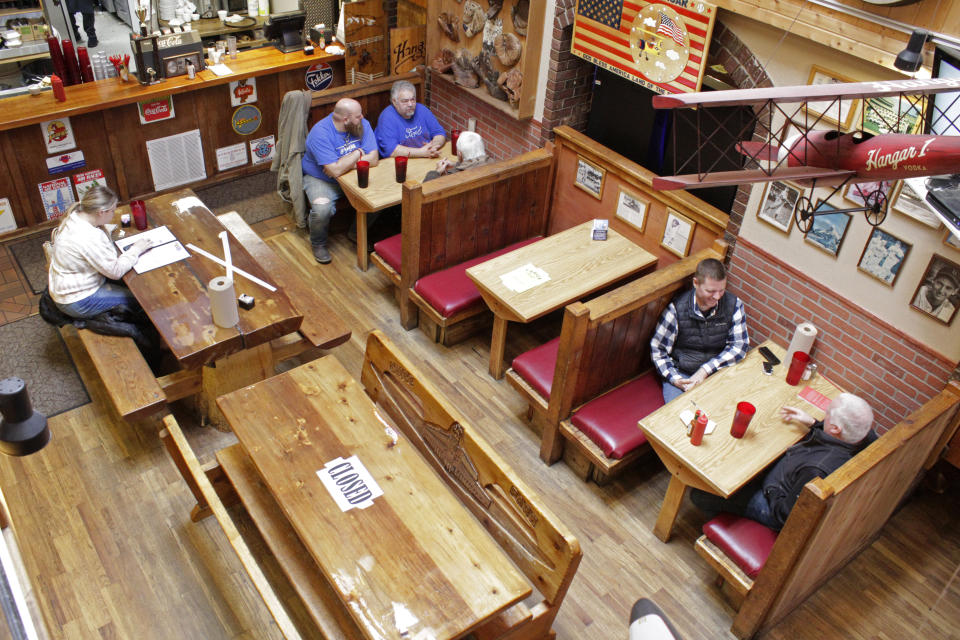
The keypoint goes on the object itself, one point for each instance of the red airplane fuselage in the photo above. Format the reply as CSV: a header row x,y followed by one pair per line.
x,y
877,157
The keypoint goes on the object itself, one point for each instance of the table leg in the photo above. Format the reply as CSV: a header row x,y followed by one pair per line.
x,y
229,374
498,344
671,506
363,259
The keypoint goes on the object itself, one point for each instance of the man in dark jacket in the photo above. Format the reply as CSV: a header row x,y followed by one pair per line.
x,y
84,8
844,431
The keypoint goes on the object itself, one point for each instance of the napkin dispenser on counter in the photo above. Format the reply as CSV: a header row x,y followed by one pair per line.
x,y
167,55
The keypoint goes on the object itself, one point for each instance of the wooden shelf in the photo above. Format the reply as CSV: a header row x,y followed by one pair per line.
x,y
30,57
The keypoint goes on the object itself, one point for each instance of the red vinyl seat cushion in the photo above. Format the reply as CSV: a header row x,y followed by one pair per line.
x,y
450,291
611,420
745,541
391,250
536,366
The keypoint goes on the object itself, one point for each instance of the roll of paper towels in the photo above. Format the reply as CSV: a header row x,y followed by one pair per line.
x,y
803,338
223,303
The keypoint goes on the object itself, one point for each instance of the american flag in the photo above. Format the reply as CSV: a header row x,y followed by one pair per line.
x,y
670,28
601,35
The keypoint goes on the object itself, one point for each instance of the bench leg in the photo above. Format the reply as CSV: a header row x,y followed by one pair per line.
x,y
671,507
231,373
498,344
363,259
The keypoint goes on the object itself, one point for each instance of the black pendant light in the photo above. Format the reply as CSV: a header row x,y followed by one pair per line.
x,y
22,430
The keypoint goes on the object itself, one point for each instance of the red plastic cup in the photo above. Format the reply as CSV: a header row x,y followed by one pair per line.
x,y
797,365
400,164
741,419
454,136
139,211
363,174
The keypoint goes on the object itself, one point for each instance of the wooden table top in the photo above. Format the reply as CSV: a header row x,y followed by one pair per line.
x,y
577,266
175,296
722,462
383,190
413,564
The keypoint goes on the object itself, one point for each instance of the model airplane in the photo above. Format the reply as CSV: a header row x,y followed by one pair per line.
x,y
815,157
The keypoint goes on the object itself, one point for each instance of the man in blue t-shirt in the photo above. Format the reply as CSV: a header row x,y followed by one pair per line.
x,y
333,147
406,128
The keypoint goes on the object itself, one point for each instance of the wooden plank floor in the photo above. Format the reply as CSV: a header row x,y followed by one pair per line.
x,y
101,516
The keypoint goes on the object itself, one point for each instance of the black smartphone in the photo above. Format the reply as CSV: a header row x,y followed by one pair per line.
x,y
768,355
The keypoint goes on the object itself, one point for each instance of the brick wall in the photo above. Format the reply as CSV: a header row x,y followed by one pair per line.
x,y
854,348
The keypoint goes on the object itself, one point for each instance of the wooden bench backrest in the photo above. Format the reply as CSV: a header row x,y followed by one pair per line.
x,y
531,535
606,341
837,516
373,96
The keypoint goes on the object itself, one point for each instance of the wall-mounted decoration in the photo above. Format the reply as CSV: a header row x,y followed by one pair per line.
x,y
866,193
883,256
318,76
659,45
828,229
156,110
909,199
778,204
86,179
57,135
408,48
951,240
7,221
66,162
938,293
243,91
632,210
365,34
246,119
892,114
677,234
590,177
834,112
263,149
57,196
234,155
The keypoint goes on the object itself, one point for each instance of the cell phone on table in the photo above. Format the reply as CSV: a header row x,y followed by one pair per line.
x,y
768,356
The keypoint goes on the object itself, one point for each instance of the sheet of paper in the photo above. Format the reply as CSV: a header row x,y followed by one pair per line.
x,y
157,237
814,397
686,417
220,69
160,256
349,483
523,278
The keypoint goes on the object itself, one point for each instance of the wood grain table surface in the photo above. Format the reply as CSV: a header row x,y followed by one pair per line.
x,y
383,191
722,464
577,266
415,563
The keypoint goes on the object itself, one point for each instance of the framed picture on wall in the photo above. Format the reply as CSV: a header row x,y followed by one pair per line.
x,y
632,210
951,240
909,200
677,234
590,177
883,256
892,114
938,293
840,112
828,229
778,204
860,193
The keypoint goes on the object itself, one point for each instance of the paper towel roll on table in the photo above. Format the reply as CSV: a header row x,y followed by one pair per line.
x,y
223,302
803,338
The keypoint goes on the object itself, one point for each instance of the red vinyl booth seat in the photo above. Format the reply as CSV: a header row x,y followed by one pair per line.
x,y
450,291
391,250
536,366
611,420
745,541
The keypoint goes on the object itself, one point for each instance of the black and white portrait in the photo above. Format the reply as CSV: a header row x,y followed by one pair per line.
x,y
883,256
779,201
939,291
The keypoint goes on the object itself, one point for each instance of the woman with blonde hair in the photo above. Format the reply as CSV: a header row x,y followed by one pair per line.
x,y
85,258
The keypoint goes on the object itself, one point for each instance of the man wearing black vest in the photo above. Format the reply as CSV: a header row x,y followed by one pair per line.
x,y
702,330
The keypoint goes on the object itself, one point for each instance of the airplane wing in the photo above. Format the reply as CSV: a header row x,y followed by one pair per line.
x,y
806,93
746,176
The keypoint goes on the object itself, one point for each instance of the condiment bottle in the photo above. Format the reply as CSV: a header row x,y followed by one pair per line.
x,y
57,84
699,427
191,70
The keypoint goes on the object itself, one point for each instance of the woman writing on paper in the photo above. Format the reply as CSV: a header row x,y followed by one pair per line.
x,y
84,258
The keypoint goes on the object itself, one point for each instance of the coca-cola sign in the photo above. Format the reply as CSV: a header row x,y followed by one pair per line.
x,y
156,110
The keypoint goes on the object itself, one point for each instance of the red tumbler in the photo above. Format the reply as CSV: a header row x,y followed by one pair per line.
x,y
139,211
400,164
363,173
83,59
70,60
797,365
741,419
454,136
56,57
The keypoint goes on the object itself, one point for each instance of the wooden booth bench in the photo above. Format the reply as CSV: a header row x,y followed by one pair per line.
x,y
453,222
765,575
586,389
541,548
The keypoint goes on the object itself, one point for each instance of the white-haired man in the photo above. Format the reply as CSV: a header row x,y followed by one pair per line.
x,y
844,431
471,152
407,128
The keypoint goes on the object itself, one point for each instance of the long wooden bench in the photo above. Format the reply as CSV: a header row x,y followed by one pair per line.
x,y
541,547
600,363
457,218
833,520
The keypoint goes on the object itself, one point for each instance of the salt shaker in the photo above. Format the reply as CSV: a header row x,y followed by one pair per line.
x,y
809,371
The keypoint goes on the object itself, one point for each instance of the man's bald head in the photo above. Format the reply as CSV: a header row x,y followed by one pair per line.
x,y
348,116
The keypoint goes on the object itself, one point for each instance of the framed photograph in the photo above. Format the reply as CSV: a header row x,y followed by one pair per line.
x,y
779,201
858,193
938,293
883,255
632,210
910,200
828,229
840,112
590,177
677,234
951,240
892,114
